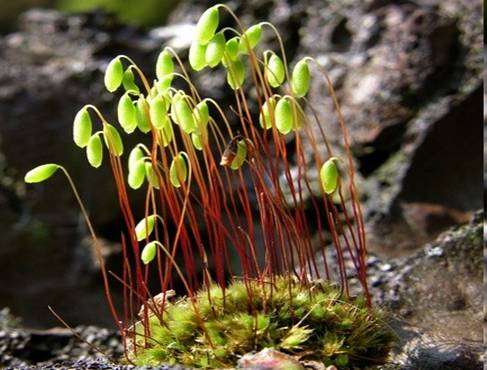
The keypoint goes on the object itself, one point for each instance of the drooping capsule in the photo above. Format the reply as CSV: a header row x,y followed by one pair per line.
x,y
135,155
136,174
214,50
178,171
165,135
300,78
207,25
197,59
184,115
236,74
240,155
82,127
197,141
265,118
164,64
143,115
151,175
94,151
149,252
113,141
231,48
145,227
128,81
164,84
284,116
40,173
127,114
275,72
113,75
201,114
158,112
329,175
250,38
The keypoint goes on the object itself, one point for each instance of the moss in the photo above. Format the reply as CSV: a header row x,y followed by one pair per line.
x,y
312,320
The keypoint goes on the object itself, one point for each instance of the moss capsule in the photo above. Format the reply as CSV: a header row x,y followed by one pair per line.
x,y
300,78
197,59
151,175
136,174
135,155
113,141
178,172
197,141
82,127
329,175
165,135
201,115
231,48
251,38
214,50
149,252
158,112
184,115
127,114
128,82
265,118
164,64
207,25
94,151
145,227
40,173
113,75
240,155
236,74
284,116
275,72
143,116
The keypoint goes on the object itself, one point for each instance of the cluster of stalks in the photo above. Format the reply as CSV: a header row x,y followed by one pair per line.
x,y
215,178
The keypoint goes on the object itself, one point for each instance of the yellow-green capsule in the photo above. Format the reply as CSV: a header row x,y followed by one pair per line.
x,y
94,151
128,82
143,116
251,38
82,127
300,78
151,175
164,64
197,141
163,85
136,174
207,25
274,71
329,175
145,227
214,50
135,155
178,171
240,155
284,116
113,141
127,114
165,135
201,115
184,115
158,112
113,75
236,74
149,252
41,173
197,59
265,118
231,48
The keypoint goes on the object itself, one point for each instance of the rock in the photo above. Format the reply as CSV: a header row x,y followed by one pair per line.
x,y
269,359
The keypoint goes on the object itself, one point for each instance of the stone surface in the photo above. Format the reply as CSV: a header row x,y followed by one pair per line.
x,y
269,359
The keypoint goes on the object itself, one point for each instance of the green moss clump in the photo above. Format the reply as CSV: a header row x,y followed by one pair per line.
x,y
313,321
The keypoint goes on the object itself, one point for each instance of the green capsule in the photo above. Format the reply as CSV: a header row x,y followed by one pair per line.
x,y
164,64
151,175
275,72
231,48
145,227
300,78
201,115
136,174
184,115
158,112
165,135
128,82
114,75
113,141
163,85
94,151
236,74
149,253
240,156
178,171
197,141
143,116
135,155
265,118
207,25
284,116
127,113
251,38
329,175
197,59
214,50
40,173
82,127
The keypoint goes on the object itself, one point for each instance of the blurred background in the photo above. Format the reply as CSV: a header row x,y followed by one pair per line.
x,y
408,76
